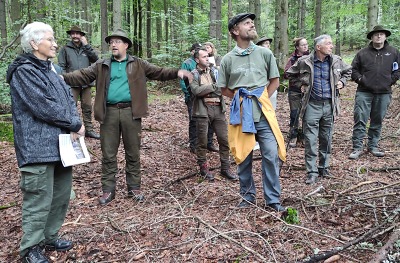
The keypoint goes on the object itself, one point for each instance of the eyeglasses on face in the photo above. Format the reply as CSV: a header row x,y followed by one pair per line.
x,y
117,42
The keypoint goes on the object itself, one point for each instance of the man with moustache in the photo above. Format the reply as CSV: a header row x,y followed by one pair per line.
x,y
249,73
322,75
77,54
120,104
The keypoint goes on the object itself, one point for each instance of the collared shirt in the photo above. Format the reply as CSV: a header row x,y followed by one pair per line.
x,y
321,89
119,86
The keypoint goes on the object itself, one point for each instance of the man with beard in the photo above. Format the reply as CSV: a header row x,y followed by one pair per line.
x,y
77,54
249,73
120,104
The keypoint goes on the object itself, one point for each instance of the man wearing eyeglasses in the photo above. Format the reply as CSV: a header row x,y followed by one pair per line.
x,y
77,54
120,104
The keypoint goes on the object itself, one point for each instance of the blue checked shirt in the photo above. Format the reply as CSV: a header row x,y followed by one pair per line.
x,y
321,89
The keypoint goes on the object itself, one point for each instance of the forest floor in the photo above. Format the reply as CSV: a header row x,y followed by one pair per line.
x,y
187,219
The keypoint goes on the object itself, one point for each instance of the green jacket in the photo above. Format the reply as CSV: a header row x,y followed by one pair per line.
x,y
189,65
138,71
303,70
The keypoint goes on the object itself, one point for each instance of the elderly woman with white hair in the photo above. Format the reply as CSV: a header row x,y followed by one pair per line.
x,y
42,109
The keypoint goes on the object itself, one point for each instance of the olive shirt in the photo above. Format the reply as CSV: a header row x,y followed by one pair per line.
x,y
242,70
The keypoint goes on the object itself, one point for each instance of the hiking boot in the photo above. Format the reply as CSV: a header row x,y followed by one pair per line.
x,y
355,154
376,152
312,179
228,175
136,195
277,207
92,134
106,198
35,255
212,148
59,245
246,203
293,142
205,172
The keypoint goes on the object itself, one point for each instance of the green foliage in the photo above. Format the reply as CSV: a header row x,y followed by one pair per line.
x,y
6,131
291,216
5,98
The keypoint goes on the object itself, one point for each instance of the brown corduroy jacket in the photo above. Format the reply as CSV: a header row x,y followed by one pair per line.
x,y
137,70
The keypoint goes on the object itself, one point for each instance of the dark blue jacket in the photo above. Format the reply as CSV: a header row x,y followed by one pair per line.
x,y
42,108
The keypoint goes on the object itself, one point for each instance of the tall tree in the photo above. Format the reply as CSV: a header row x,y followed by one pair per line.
x,y
166,24
190,12
15,15
213,19
257,12
281,47
301,17
318,14
218,25
148,30
104,25
373,10
229,46
117,15
3,24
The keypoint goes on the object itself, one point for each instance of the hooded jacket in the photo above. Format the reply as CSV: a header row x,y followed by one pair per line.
x,y
42,108
373,69
137,70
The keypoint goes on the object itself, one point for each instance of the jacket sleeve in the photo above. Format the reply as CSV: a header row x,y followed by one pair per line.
x,y
62,60
39,98
91,54
182,82
201,90
396,72
345,72
292,71
158,73
81,77
355,72
288,65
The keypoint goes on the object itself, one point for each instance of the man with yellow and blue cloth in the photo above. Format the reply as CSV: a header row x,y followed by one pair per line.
x,y
249,75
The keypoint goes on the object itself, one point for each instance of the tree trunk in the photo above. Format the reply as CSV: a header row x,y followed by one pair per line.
x,y
372,14
140,29
190,12
148,30
229,17
135,28
218,24
278,27
15,15
338,43
284,40
318,7
104,25
257,12
3,24
213,20
117,23
302,17
166,25
159,32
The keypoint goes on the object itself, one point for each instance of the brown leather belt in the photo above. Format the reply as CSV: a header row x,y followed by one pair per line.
x,y
213,103
120,105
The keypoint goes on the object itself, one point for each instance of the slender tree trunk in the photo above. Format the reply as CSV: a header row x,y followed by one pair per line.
x,y
373,9
140,29
3,24
190,12
218,24
229,17
318,7
159,32
278,27
148,30
104,25
338,43
166,25
135,28
213,20
257,12
302,17
117,23
15,15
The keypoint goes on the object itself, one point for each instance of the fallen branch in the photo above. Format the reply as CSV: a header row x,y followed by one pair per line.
x,y
383,251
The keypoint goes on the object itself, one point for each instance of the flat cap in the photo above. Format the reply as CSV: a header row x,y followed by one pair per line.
x,y
236,19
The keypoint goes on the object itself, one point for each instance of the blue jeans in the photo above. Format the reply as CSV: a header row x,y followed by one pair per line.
x,y
373,107
269,166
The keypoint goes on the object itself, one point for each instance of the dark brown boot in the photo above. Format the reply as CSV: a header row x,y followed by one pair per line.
x,y
205,172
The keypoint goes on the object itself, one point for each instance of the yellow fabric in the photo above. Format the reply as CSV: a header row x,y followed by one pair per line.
x,y
241,144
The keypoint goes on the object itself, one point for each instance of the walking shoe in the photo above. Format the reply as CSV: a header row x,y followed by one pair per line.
x,y
355,154
277,207
376,152
35,255
59,245
136,195
205,172
92,134
246,203
192,149
228,175
212,148
312,179
324,172
106,198
293,142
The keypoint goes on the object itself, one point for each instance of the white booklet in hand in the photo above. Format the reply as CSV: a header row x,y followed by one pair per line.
x,y
73,152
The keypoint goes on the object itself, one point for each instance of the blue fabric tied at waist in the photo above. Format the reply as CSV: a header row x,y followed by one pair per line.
x,y
247,108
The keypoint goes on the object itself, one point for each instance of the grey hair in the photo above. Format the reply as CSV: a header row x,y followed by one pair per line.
x,y
33,32
318,40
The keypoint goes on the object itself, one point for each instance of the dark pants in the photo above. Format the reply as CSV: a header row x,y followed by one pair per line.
x,y
373,107
318,130
216,119
46,189
193,128
295,106
119,122
85,95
